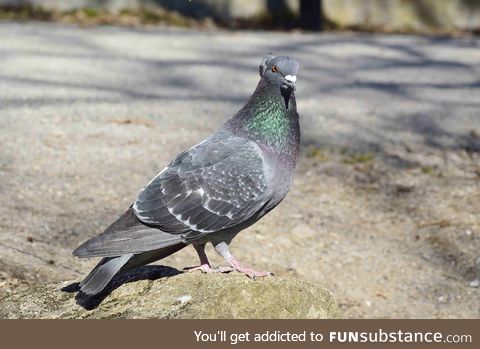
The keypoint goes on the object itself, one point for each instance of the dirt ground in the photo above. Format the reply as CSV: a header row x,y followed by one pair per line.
x,y
385,207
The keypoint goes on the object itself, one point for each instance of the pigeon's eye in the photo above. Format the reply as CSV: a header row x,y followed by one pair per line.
x,y
274,69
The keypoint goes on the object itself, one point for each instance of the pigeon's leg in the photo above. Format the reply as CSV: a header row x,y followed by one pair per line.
x,y
204,266
223,249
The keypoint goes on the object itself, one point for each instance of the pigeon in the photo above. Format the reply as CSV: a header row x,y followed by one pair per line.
x,y
212,191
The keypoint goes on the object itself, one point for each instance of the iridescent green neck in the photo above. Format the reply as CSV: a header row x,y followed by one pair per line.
x,y
269,122
269,118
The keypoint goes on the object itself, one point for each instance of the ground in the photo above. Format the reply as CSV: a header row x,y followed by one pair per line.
x,y
385,206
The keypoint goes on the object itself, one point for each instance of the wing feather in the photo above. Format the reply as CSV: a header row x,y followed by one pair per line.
x,y
215,185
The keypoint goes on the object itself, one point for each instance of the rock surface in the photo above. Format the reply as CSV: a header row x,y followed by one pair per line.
x,y
191,295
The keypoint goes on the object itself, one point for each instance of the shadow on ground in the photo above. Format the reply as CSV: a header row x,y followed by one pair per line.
x,y
149,272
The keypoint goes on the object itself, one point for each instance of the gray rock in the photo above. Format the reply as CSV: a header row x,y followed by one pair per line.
x,y
189,295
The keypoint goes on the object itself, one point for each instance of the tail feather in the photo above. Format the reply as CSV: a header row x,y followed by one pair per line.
x,y
94,270
104,272
127,235
151,256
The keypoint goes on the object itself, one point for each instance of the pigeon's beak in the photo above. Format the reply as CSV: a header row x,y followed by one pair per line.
x,y
291,78
290,81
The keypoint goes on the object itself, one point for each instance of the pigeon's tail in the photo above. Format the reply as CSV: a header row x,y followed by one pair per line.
x,y
101,275
127,235
108,267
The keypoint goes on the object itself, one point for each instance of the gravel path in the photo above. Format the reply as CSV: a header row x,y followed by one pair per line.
x,y
385,209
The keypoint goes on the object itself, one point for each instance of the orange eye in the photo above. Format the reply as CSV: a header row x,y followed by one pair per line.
x,y
274,69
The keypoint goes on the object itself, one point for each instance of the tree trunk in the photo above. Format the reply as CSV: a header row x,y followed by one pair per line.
x,y
311,15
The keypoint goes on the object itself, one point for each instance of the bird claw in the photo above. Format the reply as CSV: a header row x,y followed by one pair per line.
x,y
225,269
205,268
253,274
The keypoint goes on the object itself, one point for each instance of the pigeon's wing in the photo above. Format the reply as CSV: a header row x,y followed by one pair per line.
x,y
215,185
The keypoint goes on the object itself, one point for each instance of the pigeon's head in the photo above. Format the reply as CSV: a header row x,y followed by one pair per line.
x,y
280,70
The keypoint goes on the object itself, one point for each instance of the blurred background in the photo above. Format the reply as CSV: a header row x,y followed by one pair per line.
x,y
97,96
409,16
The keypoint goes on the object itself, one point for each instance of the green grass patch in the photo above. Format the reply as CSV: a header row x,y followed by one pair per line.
x,y
317,154
358,158
90,12
427,169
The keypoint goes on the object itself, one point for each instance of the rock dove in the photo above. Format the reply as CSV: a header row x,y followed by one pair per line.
x,y
212,191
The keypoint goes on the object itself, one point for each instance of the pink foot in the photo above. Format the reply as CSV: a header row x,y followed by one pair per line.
x,y
205,268
253,273
224,269
248,271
